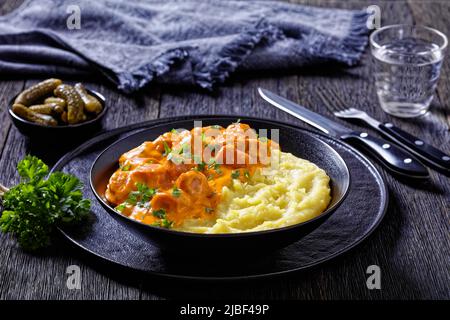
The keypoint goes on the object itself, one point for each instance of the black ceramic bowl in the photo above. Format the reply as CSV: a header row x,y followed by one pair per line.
x,y
70,132
301,143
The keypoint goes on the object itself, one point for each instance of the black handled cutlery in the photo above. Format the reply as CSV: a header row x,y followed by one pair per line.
x,y
430,155
391,156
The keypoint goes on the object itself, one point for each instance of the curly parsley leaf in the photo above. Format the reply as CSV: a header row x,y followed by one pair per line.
x,y
34,207
32,169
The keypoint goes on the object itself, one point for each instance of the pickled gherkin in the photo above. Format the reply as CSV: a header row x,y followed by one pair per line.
x,y
75,105
38,91
91,104
48,108
64,117
27,114
60,102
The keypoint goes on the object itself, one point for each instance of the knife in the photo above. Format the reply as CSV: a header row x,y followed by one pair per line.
x,y
394,158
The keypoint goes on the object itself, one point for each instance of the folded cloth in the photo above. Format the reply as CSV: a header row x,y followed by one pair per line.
x,y
174,41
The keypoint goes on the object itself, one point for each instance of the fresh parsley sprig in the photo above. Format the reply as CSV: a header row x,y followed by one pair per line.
x,y
34,207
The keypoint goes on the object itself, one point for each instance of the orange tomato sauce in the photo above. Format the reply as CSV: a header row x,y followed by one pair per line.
x,y
180,175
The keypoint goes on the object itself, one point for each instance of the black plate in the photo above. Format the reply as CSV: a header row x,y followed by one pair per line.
x,y
353,221
301,143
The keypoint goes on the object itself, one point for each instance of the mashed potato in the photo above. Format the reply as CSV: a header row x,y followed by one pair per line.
x,y
295,192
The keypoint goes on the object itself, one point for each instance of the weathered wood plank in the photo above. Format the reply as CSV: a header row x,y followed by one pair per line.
x,y
434,14
8,6
411,246
7,91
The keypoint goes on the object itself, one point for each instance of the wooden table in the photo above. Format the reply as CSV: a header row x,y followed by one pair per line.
x,y
411,246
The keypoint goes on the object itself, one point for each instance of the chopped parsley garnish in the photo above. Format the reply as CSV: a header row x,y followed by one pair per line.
x,y
132,198
235,174
176,158
165,223
160,213
167,149
145,192
185,147
126,167
141,197
174,131
201,166
120,207
214,165
176,192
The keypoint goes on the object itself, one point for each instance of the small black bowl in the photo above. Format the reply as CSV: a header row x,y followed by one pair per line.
x,y
69,132
300,142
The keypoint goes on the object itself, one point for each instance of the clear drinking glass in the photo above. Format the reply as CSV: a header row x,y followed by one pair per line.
x,y
408,61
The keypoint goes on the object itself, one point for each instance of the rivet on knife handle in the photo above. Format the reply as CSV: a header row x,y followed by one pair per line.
x,y
422,148
393,157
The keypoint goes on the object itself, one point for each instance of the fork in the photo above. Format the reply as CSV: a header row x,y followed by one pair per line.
x,y
432,156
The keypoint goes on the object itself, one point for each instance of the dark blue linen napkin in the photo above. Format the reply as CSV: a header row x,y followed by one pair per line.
x,y
175,41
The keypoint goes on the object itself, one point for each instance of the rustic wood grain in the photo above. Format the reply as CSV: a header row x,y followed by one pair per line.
x,y
411,246
10,5
6,88
426,13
